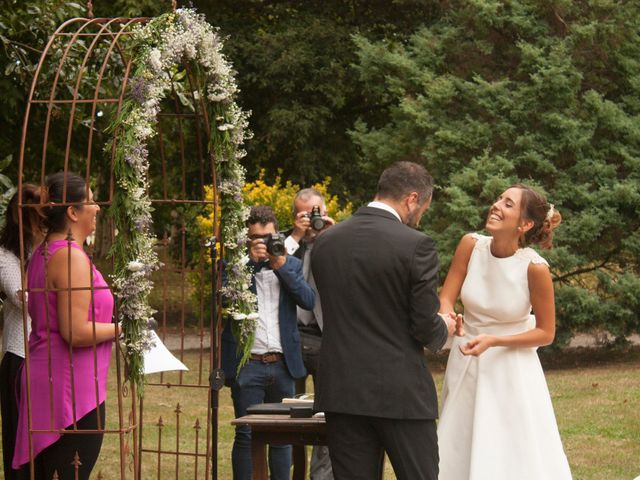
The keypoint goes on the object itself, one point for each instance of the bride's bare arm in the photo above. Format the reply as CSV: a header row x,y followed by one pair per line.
x,y
456,275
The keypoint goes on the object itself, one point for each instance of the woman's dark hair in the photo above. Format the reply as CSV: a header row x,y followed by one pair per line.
x,y
544,216
55,217
31,220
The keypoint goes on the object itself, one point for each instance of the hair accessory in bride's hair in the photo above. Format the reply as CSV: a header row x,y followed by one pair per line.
x,y
550,212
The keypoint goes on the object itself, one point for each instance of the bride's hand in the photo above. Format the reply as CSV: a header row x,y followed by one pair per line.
x,y
476,346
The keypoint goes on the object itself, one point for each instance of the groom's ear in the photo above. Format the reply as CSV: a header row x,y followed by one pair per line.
x,y
413,197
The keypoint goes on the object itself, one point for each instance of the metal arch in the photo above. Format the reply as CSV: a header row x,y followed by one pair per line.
x,y
68,34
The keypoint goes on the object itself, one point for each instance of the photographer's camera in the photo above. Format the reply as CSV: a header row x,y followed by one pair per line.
x,y
275,244
317,222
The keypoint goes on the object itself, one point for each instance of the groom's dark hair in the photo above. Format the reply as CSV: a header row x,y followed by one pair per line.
x,y
402,178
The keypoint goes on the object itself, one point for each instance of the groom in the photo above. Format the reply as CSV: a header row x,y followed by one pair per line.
x,y
381,275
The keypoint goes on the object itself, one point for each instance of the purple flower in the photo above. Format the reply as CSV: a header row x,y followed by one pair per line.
x,y
138,89
236,270
134,153
142,223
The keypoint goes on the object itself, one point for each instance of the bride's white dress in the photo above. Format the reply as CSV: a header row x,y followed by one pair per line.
x,y
497,421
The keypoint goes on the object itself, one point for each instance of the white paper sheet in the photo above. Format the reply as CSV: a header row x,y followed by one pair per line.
x,y
160,359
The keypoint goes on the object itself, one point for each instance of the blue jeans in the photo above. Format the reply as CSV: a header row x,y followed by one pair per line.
x,y
259,383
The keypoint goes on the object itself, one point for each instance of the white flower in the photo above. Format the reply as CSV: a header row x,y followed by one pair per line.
x,y
154,59
239,316
217,97
253,316
225,126
135,266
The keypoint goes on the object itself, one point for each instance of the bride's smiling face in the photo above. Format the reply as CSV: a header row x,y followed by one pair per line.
x,y
505,213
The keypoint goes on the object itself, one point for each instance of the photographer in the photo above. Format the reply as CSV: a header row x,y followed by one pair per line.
x,y
276,359
310,219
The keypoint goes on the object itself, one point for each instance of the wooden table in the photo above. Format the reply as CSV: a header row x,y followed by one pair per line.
x,y
282,429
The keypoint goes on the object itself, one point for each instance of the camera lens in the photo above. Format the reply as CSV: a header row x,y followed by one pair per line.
x,y
317,222
275,245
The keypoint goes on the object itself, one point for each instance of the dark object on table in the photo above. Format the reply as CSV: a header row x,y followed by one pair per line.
x,y
301,411
277,408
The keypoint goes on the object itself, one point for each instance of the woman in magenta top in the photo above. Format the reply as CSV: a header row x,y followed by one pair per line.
x,y
63,329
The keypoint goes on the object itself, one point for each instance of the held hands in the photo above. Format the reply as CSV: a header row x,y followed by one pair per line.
x,y
454,323
476,346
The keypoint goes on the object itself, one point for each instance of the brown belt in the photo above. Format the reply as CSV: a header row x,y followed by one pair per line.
x,y
269,357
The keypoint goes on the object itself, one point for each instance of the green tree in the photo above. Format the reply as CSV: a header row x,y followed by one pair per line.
x,y
25,26
547,92
295,71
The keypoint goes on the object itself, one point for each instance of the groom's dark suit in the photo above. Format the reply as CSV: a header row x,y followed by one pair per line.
x,y
378,278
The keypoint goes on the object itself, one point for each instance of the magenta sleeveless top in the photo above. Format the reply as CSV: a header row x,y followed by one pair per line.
x,y
54,398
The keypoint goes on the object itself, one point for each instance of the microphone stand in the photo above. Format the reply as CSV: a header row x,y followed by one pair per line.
x,y
216,378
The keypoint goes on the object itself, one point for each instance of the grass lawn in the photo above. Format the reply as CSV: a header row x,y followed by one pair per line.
x,y
597,407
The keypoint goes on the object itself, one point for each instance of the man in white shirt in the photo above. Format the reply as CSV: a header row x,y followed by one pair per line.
x,y
276,359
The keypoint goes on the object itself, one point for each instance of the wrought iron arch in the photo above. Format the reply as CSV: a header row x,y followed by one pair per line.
x,y
78,88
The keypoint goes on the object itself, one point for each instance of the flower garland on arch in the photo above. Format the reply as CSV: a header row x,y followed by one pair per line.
x,y
159,48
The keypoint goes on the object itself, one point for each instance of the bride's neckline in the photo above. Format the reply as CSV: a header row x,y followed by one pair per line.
x,y
501,257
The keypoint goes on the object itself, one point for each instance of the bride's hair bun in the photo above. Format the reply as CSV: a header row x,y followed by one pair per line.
x,y
545,218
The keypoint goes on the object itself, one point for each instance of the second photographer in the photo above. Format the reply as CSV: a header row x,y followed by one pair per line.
x,y
310,219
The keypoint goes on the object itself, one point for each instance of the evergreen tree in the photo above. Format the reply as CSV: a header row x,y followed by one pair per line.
x,y
494,92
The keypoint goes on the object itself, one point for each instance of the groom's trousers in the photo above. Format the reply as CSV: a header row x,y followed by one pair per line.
x,y
357,443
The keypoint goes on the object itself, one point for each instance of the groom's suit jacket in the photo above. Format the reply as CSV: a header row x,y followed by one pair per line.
x,y
377,278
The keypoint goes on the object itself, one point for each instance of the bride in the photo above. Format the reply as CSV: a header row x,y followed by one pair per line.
x,y
497,421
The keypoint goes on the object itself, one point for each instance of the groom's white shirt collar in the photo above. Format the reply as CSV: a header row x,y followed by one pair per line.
x,y
384,206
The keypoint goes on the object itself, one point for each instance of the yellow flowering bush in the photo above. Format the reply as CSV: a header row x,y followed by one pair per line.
x,y
279,197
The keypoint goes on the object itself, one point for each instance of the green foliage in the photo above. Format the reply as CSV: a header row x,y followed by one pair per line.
x,y
25,26
7,188
294,62
488,92
544,92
